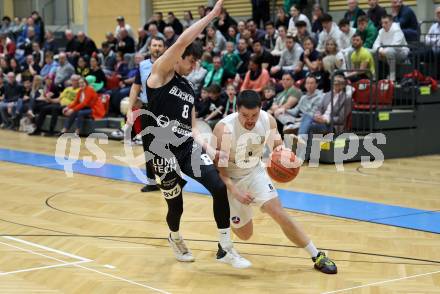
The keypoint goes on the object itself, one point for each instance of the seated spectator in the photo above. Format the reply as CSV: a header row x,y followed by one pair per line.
x,y
86,46
280,43
217,107
322,76
296,15
361,59
38,54
267,60
197,77
407,19
290,119
202,104
231,106
158,21
271,36
24,102
96,71
287,98
36,91
215,36
289,58
125,42
255,33
30,68
375,13
282,18
391,34
50,44
82,69
353,12
64,71
122,25
231,61
301,32
15,67
433,37
241,26
268,97
256,77
4,66
170,36
25,44
111,40
307,61
7,46
153,32
175,23
142,39
121,66
107,58
245,55
367,30
328,118
215,75
333,58
347,32
188,19
12,93
317,12
86,104
330,30
224,21
232,34
206,60
71,44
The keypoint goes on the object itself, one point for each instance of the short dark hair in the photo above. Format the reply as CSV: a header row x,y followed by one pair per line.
x,y
249,99
257,41
309,39
269,23
156,38
250,20
214,89
390,17
291,37
357,34
343,22
312,76
300,24
362,18
194,49
325,18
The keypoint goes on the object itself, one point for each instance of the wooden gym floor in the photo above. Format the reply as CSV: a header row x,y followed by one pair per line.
x,y
88,234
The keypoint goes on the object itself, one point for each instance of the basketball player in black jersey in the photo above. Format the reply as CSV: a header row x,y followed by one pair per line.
x,y
171,101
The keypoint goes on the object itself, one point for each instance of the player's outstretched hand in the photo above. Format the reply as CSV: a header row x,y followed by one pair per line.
x,y
217,8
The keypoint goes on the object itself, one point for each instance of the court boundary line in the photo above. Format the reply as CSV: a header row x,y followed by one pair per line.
x,y
382,282
64,263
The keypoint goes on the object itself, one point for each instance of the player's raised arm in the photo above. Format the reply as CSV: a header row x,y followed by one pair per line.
x,y
163,68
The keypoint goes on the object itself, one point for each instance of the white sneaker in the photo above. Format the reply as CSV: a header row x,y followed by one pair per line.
x,y
181,252
231,256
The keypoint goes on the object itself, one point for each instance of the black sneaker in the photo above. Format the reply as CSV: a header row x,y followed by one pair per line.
x,y
150,188
324,264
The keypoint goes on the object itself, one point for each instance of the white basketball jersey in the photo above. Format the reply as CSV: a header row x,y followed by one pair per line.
x,y
247,146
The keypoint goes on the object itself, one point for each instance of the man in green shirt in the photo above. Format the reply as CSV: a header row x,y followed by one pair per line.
x,y
288,97
367,30
361,59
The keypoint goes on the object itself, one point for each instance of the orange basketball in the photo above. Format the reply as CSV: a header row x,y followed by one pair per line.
x,y
283,166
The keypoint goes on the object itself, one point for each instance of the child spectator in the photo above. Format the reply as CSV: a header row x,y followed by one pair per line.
x,y
231,61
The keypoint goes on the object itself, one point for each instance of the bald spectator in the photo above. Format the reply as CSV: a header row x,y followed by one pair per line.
x,y
407,19
71,44
64,71
170,36
122,25
126,43
86,46
375,13
353,12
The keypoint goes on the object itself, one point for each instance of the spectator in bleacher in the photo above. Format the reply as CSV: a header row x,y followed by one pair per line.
x,y
38,54
25,44
375,13
142,39
317,12
267,59
170,36
4,66
301,32
289,58
407,19
245,54
38,22
231,106
5,25
224,21
188,19
260,11
320,121
173,21
215,75
7,46
158,21
268,97
86,104
308,60
82,67
361,59
15,67
256,77
111,40
391,34
71,44
86,46
321,75
347,32
126,43
282,18
330,30
202,11
271,36
367,30
290,119
280,43
433,37
333,58
231,61
215,36
256,33
107,58
64,71
217,106
24,102
353,12
287,98
197,77
121,66
50,65
153,32
50,43
96,71
30,68
122,25
241,26
248,37
202,104
295,16
30,25
232,34
13,92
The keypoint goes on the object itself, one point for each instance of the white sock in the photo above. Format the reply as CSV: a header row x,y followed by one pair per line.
x,y
311,249
175,236
225,237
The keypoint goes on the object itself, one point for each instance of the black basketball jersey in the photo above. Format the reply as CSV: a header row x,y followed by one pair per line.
x,y
172,106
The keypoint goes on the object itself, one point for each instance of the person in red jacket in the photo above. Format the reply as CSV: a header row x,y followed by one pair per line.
x,y
86,104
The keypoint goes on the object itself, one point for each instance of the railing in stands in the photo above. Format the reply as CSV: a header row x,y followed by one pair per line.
x,y
429,56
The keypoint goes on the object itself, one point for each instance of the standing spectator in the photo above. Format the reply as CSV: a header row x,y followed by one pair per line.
x,y
330,30
391,34
361,59
267,60
282,18
257,77
170,36
7,46
333,58
308,60
50,43
407,19
50,65
13,92
158,21
296,15
86,104
224,21
64,71
287,98
231,61
38,22
317,12
107,58
188,19
202,11
353,12
280,43
125,43
122,25
367,30
375,13
215,36
289,58
260,11
256,33
175,23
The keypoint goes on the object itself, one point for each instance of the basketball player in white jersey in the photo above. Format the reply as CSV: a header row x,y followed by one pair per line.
x,y
243,135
